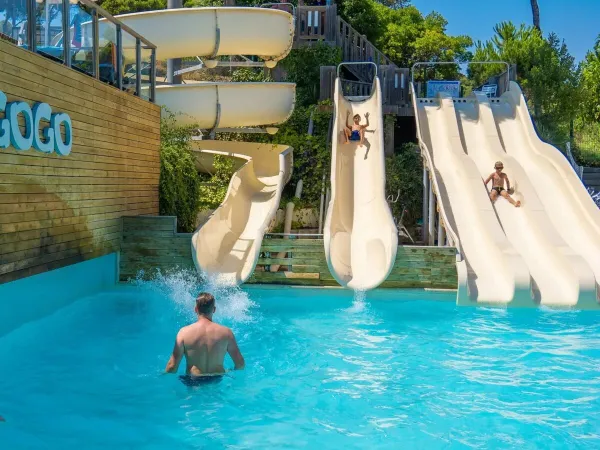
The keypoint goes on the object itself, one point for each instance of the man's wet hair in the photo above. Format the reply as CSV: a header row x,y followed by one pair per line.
x,y
356,116
205,303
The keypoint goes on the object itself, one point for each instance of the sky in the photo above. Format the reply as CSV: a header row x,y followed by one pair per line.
x,y
575,21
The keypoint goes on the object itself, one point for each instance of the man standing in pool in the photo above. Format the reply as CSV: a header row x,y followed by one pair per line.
x,y
204,344
498,179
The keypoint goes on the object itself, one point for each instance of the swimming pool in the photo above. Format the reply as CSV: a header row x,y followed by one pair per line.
x,y
323,371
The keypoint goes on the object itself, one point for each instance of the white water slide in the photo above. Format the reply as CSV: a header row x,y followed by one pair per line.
x,y
360,236
228,244
547,252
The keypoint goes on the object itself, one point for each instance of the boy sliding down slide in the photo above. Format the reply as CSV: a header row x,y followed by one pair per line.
x,y
498,178
355,132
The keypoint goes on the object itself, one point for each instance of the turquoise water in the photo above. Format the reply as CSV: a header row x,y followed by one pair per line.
x,y
324,370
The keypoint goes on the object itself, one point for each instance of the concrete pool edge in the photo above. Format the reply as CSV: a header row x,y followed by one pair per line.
x,y
35,297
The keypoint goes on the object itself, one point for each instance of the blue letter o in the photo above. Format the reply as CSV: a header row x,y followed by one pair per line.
x,y
18,141
62,148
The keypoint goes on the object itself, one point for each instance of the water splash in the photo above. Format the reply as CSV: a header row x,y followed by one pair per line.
x,y
182,286
358,304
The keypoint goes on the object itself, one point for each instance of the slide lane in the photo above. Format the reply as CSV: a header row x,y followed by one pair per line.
x,y
561,277
492,272
360,236
567,203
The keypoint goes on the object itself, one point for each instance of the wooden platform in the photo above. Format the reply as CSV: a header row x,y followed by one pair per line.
x,y
151,243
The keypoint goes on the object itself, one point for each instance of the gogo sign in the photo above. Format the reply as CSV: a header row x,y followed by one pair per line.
x,y
50,139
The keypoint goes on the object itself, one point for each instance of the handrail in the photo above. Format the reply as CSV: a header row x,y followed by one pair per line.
x,y
430,63
375,50
450,232
97,14
355,64
578,169
270,4
294,234
116,21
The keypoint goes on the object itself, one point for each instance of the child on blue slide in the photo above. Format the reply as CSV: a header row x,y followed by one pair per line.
x,y
356,131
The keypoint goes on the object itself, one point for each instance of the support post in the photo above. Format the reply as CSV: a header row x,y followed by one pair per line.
x,y
119,79
441,233
66,26
96,44
431,220
425,226
173,65
389,126
138,67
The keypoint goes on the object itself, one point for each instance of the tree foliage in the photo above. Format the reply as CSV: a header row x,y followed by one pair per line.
x,y
545,70
404,34
590,84
213,190
303,67
179,186
116,7
248,75
404,178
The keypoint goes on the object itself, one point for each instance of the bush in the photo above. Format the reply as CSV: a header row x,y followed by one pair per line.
x,y
303,67
404,174
586,144
179,186
214,189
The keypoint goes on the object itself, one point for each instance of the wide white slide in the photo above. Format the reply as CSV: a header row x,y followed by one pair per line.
x,y
241,104
227,245
212,32
360,236
508,256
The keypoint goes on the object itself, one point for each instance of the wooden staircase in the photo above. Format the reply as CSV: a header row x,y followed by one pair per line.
x,y
323,24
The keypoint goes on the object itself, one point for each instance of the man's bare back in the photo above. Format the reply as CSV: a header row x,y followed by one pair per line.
x,y
204,343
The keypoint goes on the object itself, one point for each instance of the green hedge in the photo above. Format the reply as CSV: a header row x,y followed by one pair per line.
x,y
179,186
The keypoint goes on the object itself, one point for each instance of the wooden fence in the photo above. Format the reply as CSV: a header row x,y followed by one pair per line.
x,y
395,86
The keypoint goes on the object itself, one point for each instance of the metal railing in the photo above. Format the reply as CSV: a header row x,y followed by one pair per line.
x,y
83,36
420,87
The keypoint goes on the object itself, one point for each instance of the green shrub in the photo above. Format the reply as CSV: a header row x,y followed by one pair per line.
x,y
179,186
404,174
303,67
586,144
213,189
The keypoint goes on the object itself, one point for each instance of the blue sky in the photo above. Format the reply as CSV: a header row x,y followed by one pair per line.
x,y
575,21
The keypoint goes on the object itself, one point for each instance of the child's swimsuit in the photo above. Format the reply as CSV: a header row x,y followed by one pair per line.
x,y
498,189
355,136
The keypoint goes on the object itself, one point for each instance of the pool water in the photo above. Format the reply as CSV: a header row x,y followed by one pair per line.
x,y
324,370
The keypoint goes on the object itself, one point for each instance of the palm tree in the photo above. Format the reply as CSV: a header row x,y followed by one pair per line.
x,y
535,9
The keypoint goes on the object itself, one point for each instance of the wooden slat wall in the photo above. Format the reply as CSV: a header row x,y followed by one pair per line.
x,y
60,210
305,264
151,243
